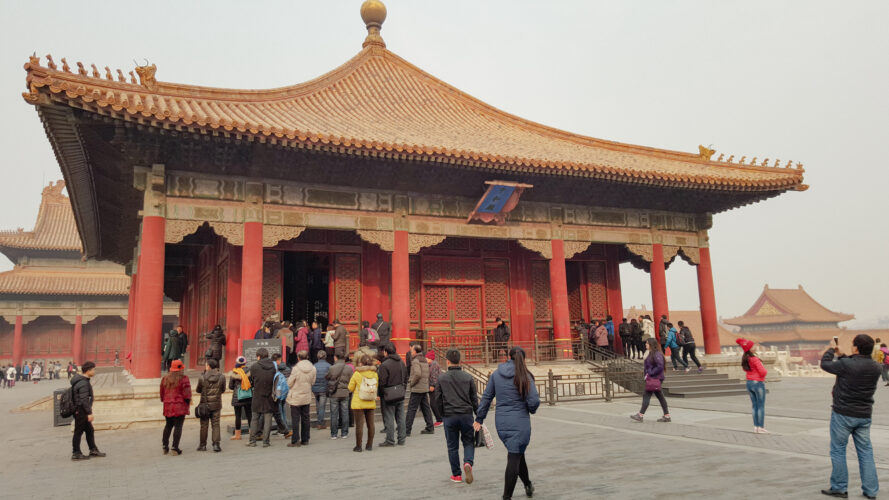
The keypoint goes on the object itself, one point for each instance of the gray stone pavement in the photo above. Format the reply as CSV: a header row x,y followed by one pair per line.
x,y
581,450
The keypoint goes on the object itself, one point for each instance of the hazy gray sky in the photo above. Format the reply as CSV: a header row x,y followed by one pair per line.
x,y
802,80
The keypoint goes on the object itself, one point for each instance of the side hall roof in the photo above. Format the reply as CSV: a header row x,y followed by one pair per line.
x,y
780,306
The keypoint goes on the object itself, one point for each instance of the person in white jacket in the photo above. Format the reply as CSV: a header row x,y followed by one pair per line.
x,y
10,376
300,397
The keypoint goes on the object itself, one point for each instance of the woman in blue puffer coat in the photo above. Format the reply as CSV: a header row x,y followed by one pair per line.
x,y
517,398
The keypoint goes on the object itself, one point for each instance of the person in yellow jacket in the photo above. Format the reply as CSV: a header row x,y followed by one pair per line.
x,y
363,386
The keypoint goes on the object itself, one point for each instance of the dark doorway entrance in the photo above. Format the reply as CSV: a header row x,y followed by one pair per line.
x,y
306,287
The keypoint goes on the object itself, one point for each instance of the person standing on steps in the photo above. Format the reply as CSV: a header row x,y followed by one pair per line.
x,y
688,346
609,327
455,397
756,386
340,339
853,406
242,395
662,330
217,344
384,330
625,332
262,378
419,386
175,393
517,398
82,392
211,385
653,368
673,342
501,338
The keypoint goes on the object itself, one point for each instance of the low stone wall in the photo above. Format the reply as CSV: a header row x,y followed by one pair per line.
x,y
730,364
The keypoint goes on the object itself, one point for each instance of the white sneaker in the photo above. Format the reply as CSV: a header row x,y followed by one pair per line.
x,y
762,430
332,437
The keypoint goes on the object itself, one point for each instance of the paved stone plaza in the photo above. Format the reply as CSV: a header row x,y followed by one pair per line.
x,y
581,450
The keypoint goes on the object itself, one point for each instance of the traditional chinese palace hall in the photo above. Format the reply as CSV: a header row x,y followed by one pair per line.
x,y
375,187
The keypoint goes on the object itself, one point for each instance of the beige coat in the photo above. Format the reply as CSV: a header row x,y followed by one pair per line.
x,y
300,382
419,381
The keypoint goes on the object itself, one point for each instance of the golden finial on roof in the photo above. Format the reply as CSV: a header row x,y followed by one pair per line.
x,y
705,152
373,13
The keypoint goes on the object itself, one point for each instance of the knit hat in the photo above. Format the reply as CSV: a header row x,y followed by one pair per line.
x,y
241,361
430,355
177,366
745,344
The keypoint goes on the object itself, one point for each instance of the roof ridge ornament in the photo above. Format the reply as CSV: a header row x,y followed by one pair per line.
x,y
373,13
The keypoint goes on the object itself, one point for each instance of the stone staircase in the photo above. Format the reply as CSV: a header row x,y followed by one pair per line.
x,y
709,383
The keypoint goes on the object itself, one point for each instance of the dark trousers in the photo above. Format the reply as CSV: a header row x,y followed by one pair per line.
x,y
83,426
393,419
238,411
628,346
689,350
265,420
418,399
207,422
674,358
279,421
174,424
515,468
435,412
641,347
646,398
299,417
457,429
362,418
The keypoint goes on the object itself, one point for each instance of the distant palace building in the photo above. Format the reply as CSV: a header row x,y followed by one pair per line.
x,y
55,304
791,318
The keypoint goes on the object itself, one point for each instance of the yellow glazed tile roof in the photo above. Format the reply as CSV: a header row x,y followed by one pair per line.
x,y
55,228
379,104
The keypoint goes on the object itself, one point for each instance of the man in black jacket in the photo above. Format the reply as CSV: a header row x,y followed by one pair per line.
x,y
456,398
82,390
384,330
501,338
262,377
853,402
393,377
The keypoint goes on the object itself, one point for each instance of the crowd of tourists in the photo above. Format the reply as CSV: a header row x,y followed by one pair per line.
x,y
33,371
633,337
347,387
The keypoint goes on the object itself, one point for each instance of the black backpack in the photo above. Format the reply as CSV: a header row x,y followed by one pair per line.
x,y
66,403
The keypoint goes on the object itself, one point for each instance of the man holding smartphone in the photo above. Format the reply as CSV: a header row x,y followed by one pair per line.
x,y
853,402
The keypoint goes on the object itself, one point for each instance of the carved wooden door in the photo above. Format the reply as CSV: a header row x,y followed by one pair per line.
x,y
453,314
346,293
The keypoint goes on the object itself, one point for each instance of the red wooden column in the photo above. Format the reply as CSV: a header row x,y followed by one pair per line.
x,y
18,348
708,303
401,287
658,285
131,322
558,285
615,301
233,307
251,280
77,343
148,333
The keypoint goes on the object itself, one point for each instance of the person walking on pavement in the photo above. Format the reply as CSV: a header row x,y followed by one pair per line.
x,y
673,344
299,397
82,396
363,386
262,378
688,346
393,374
319,388
338,394
653,367
853,404
517,398
242,395
434,373
280,412
175,393
455,398
756,386
419,387
211,386
884,365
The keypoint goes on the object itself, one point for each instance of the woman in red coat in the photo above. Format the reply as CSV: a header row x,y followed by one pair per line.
x,y
176,396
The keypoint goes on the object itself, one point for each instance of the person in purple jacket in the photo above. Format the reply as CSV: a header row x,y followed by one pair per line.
x,y
654,376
